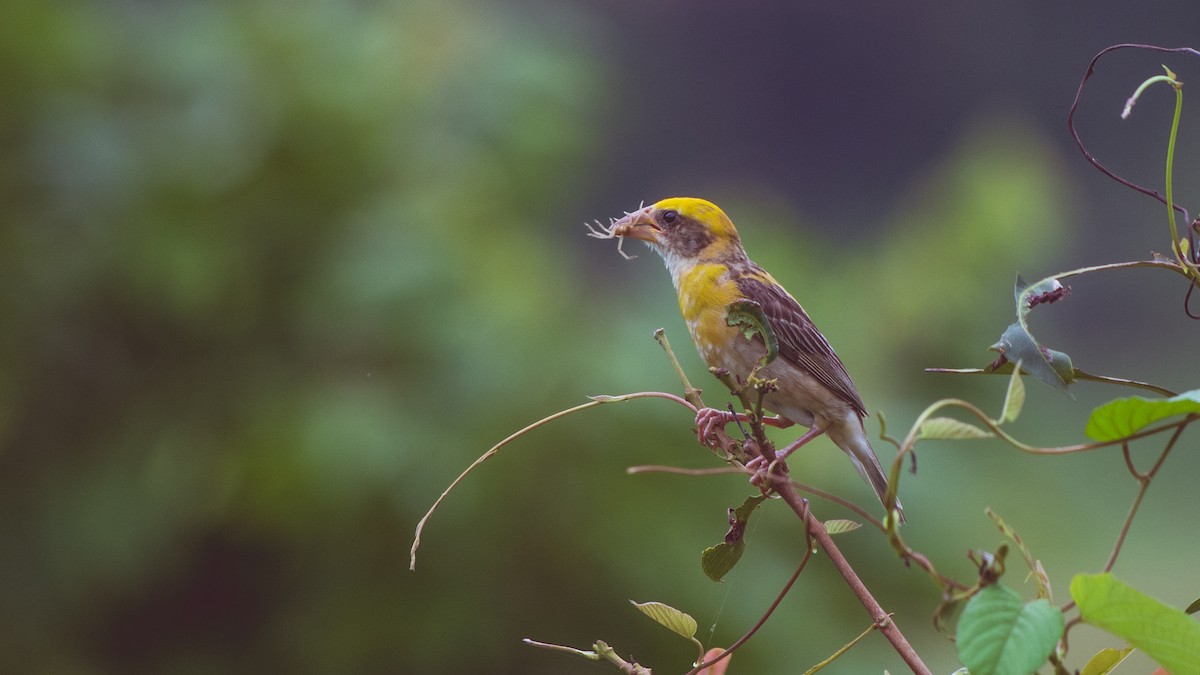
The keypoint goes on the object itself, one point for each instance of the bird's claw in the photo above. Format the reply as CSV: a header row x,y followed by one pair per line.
x,y
710,430
765,473
710,424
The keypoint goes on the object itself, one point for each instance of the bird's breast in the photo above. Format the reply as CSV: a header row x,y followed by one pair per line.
x,y
704,293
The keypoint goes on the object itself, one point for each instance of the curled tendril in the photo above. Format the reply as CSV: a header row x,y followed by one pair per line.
x,y
1091,70
1194,255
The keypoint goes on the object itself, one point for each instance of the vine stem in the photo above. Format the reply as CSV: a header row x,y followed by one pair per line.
x,y
1170,79
596,401
1141,88
711,661
1166,264
845,648
1143,480
1091,70
722,470
813,527
882,620
914,434
1171,168
1187,265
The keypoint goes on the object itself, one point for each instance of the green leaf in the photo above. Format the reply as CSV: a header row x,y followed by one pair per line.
x,y
1018,345
841,526
999,634
748,315
1163,632
950,429
676,621
742,513
716,561
1014,400
1126,416
1105,660
1053,368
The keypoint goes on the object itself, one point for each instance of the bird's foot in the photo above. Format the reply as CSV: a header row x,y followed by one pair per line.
x,y
759,478
759,464
710,426
766,473
711,422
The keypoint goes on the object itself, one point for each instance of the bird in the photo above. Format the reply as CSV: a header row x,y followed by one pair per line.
x,y
710,269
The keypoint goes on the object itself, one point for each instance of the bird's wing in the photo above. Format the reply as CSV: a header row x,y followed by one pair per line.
x,y
800,343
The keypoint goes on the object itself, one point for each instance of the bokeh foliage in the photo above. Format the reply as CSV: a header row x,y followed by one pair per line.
x,y
274,273
252,254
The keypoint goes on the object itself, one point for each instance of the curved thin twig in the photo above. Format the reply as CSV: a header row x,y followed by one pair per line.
x,y
596,401
761,621
803,487
1091,70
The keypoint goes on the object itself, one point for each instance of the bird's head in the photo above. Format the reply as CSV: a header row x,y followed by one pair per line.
x,y
683,230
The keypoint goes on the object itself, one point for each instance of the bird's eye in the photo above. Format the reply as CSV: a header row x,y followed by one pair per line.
x,y
669,217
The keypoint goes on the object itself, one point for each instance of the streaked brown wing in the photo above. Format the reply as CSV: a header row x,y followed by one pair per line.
x,y
800,343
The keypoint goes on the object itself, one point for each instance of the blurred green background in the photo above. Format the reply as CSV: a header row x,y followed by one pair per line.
x,y
274,273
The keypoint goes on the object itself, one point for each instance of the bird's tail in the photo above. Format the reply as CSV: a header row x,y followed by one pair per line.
x,y
852,439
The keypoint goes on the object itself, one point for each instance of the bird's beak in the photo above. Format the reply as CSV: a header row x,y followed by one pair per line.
x,y
638,225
